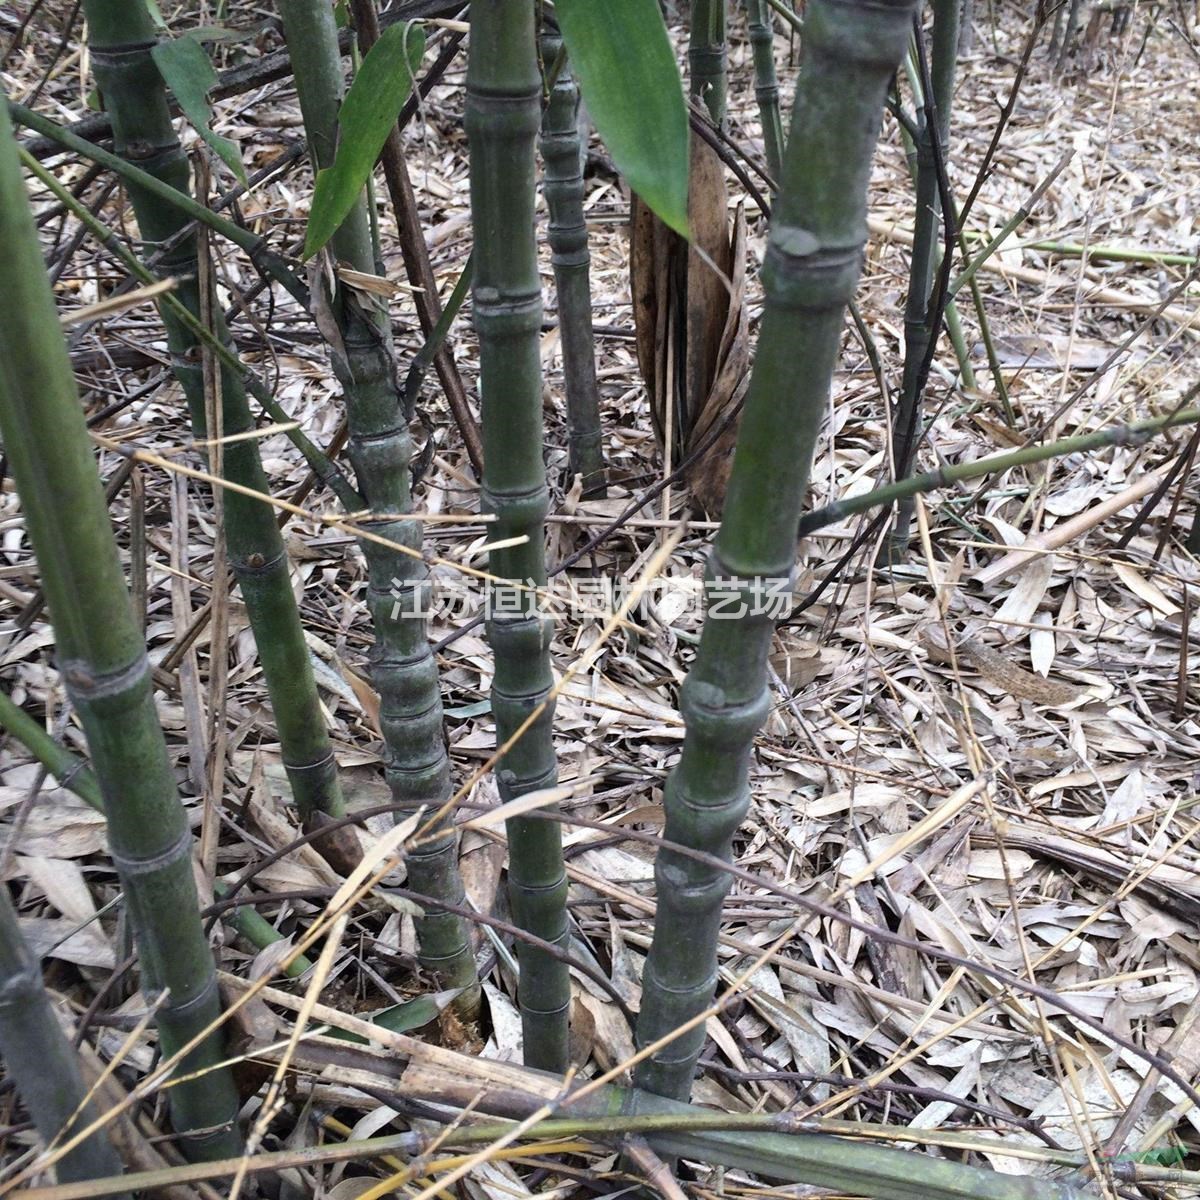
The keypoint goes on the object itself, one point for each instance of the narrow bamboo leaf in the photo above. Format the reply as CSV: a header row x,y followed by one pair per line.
x,y
380,88
187,71
622,58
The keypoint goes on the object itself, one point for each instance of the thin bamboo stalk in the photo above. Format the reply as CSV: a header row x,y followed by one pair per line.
x,y
707,57
812,265
968,276
502,119
1068,37
249,923
1048,280
416,256
102,657
766,86
918,310
71,772
1111,253
403,668
40,1060
1113,435
1006,230
122,38
563,186
774,1145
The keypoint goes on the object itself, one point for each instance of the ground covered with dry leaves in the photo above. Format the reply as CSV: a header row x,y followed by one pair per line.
x,y
1054,686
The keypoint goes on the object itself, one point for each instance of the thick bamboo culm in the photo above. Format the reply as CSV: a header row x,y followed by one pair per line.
x,y
563,186
403,668
121,38
766,86
918,315
812,264
503,112
102,658
41,1062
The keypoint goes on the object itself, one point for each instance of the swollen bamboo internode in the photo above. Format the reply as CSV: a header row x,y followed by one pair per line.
x,y
812,265
122,39
403,668
502,118
766,87
563,185
102,658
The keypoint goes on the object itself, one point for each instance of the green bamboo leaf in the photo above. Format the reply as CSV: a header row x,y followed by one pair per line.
x,y
400,1018
622,58
381,86
187,71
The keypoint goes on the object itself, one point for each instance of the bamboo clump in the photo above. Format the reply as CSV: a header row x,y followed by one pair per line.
x,y
811,269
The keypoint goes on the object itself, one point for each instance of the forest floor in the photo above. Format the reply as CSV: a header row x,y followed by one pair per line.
x,y
1014,748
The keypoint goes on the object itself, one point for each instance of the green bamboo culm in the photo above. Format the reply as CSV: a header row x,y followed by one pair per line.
x,y
707,57
102,658
41,1062
503,110
814,255
766,86
918,309
563,157
954,327
403,668
122,38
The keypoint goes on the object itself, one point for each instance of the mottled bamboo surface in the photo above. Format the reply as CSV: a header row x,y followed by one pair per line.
x,y
1058,683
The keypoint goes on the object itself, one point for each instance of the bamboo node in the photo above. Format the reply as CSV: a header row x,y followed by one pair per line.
x,y
508,314
719,720
86,685
799,273
179,850
310,768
